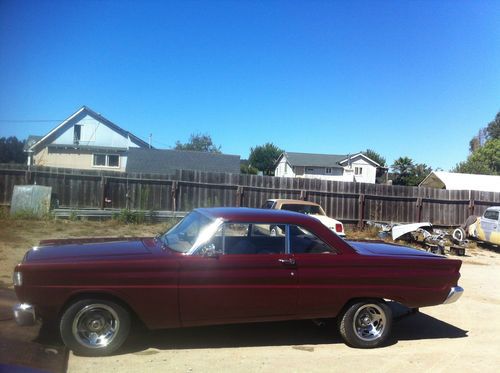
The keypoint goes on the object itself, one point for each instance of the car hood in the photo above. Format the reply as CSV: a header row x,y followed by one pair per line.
x,y
385,249
82,249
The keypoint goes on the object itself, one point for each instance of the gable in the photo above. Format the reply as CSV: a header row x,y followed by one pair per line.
x,y
93,130
92,133
359,158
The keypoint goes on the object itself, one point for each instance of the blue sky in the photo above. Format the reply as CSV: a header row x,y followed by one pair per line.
x,y
405,78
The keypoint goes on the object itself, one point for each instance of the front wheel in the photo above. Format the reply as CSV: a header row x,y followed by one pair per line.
x,y
365,324
94,327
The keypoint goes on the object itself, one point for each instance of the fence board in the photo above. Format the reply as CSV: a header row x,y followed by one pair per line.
x,y
341,200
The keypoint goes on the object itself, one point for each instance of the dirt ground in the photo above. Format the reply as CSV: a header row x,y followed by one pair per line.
x,y
463,336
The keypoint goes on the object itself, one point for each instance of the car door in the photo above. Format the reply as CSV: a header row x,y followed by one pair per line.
x,y
489,225
322,274
243,275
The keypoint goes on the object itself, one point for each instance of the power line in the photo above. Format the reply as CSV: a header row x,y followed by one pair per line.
x,y
30,120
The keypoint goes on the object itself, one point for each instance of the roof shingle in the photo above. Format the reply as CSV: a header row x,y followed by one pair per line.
x,y
165,161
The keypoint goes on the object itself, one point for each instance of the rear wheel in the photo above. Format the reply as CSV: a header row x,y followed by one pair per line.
x,y
365,324
94,327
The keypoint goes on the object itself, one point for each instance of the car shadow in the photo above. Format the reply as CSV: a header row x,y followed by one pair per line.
x,y
414,326
422,326
282,333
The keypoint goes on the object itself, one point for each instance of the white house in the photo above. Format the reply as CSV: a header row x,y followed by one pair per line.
x,y
458,181
357,167
85,140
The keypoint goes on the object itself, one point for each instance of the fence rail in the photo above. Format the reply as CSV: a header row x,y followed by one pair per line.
x,y
183,190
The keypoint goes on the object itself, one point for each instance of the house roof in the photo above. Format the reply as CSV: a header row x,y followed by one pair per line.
x,y
165,161
458,181
314,160
88,148
84,110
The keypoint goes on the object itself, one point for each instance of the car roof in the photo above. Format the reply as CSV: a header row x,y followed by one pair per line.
x,y
294,202
494,208
253,214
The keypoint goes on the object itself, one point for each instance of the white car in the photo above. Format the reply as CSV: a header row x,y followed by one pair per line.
x,y
485,228
308,208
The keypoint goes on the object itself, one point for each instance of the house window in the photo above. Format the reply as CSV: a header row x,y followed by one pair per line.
x,y
106,160
113,160
328,170
99,160
358,170
286,167
310,170
77,134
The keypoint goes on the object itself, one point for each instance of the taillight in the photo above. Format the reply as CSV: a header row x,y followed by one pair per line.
x,y
338,228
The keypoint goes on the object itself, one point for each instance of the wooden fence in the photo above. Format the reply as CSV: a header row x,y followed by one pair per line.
x,y
184,190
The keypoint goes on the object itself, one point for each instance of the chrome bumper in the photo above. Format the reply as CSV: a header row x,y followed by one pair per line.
x,y
455,293
24,314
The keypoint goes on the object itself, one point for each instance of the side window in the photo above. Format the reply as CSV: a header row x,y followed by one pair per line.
x,y
244,238
304,242
268,205
491,214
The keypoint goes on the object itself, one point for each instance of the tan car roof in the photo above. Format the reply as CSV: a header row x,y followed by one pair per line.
x,y
280,202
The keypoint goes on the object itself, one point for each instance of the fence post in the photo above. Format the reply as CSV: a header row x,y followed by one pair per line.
x,y
173,195
303,195
419,209
102,194
239,196
361,211
471,206
27,177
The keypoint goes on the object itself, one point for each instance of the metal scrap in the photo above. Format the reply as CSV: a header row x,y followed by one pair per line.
x,y
432,239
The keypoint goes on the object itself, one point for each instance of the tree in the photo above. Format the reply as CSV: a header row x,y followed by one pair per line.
x,y
263,157
246,168
408,173
200,143
372,154
485,160
11,150
419,173
479,140
493,128
484,157
490,132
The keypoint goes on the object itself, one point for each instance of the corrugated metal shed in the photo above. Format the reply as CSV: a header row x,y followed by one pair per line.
x,y
457,181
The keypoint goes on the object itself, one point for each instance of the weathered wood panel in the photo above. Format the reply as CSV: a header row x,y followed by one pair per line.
x,y
184,190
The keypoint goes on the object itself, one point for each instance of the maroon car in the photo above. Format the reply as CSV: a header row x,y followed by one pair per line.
x,y
220,266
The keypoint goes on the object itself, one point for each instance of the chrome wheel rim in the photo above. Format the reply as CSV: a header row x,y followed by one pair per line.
x,y
96,325
369,322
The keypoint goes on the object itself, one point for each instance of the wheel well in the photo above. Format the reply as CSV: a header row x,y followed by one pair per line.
x,y
96,295
359,299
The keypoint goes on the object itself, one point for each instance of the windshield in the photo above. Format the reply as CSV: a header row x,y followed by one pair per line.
x,y
185,234
303,209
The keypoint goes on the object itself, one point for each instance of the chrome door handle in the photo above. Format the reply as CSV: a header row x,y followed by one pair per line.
x,y
289,261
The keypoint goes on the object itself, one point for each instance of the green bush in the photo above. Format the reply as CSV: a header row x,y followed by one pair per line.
x,y
130,217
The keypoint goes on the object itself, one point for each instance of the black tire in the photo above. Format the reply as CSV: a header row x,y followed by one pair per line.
x,y
94,327
365,324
